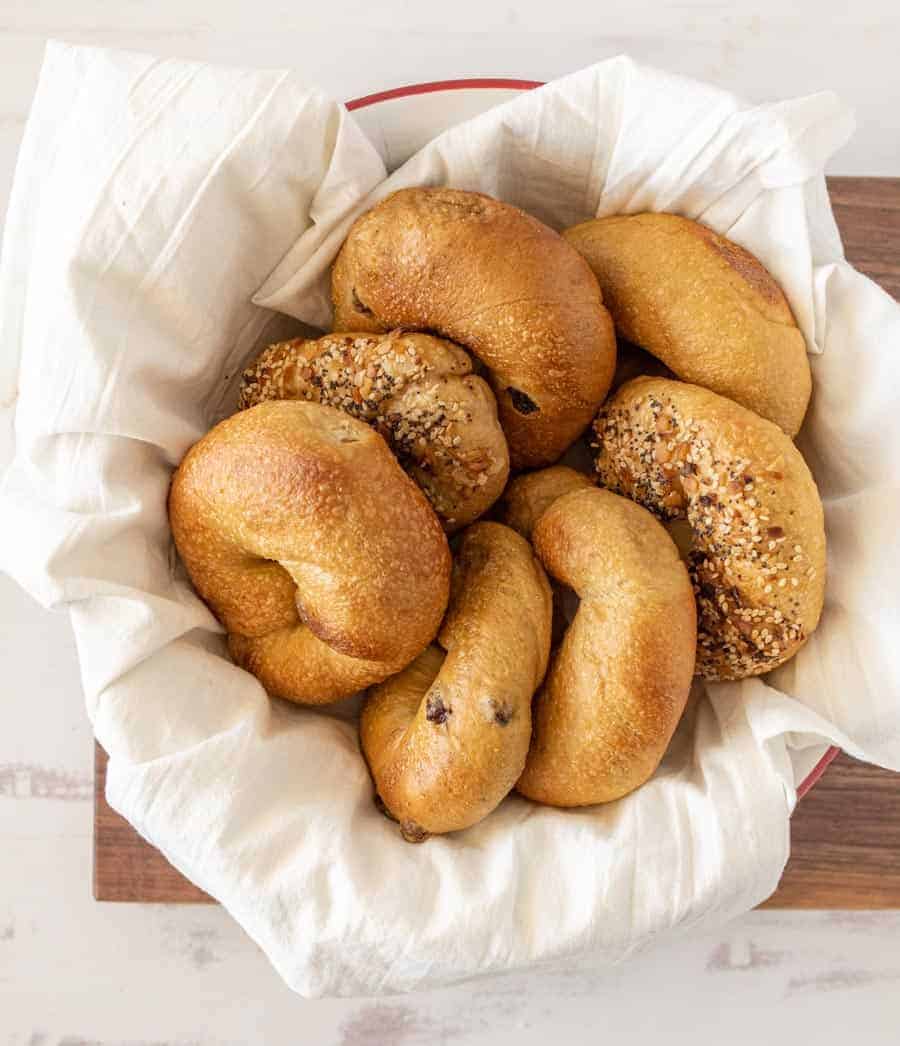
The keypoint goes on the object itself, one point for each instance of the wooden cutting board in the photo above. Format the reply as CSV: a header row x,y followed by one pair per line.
x,y
845,834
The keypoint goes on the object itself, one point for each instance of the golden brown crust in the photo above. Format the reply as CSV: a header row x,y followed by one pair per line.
x,y
618,683
446,739
498,282
529,496
321,558
758,556
419,392
704,306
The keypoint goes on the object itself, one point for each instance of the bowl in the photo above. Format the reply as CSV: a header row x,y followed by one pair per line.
x,y
400,121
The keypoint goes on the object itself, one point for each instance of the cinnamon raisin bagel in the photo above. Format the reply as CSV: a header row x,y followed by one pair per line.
x,y
321,558
502,285
704,306
619,681
446,739
757,560
419,392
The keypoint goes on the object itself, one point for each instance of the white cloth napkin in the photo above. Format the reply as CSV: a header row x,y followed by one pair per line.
x,y
160,210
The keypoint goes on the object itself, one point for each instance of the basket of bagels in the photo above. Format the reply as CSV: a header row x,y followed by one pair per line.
x,y
530,504
370,446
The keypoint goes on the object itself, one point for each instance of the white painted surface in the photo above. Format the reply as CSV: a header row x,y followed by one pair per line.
x,y
74,972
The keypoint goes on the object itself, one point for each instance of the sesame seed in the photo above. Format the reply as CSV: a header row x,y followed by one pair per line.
x,y
362,376
643,451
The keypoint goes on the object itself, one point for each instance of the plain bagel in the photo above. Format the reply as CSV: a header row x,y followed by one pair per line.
x,y
419,392
322,559
525,500
619,681
502,285
446,739
527,497
757,561
704,306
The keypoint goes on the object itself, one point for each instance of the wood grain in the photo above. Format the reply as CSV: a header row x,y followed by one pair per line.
x,y
868,214
126,866
845,835
845,842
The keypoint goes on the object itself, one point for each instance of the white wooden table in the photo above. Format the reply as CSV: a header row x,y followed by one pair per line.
x,y
74,972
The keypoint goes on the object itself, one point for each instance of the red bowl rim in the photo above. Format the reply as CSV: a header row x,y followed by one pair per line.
x,y
499,83
433,86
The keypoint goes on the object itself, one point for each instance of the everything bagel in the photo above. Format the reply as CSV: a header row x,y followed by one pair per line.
x,y
502,285
419,392
318,554
704,306
757,561
446,739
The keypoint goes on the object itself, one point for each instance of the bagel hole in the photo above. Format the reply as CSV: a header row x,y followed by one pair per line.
x,y
521,401
360,305
566,602
634,362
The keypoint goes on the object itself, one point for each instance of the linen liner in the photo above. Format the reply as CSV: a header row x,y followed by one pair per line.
x,y
167,219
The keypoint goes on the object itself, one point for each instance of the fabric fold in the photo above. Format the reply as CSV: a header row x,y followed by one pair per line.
x,y
168,218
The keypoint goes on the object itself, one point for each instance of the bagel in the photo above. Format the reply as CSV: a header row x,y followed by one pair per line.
x,y
527,497
757,560
320,557
704,306
446,739
419,392
619,681
524,501
502,285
